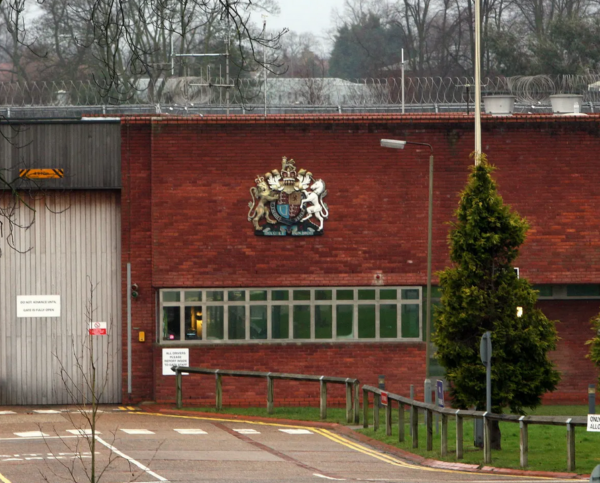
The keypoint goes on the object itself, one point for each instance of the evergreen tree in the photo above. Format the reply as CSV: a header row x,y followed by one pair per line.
x,y
594,354
481,292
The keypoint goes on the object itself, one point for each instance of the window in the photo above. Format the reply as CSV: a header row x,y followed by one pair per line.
x,y
245,315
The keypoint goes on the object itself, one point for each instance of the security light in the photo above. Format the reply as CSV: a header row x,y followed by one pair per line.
x,y
392,143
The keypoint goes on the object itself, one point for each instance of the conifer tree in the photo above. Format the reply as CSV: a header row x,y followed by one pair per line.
x,y
594,354
481,292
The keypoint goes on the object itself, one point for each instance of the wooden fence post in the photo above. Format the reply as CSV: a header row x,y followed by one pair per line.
x,y
459,436
414,425
444,435
487,439
570,446
270,395
365,408
323,402
356,402
376,401
388,418
400,422
219,391
411,408
523,443
348,402
179,396
429,413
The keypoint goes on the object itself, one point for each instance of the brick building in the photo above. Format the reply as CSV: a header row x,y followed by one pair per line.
x,y
350,302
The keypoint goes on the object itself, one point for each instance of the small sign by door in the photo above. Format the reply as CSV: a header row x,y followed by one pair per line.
x,y
97,328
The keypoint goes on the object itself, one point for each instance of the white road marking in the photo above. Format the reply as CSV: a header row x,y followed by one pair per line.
x,y
246,431
83,432
131,460
328,477
7,412
31,434
296,431
137,431
46,411
190,431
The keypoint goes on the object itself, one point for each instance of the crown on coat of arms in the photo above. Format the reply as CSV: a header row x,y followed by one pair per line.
x,y
288,171
259,179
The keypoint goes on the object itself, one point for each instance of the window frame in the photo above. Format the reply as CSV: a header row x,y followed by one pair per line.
x,y
269,303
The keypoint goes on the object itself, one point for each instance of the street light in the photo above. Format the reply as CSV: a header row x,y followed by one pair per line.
x,y
396,144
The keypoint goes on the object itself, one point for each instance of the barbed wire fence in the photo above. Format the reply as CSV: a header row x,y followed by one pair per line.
x,y
195,94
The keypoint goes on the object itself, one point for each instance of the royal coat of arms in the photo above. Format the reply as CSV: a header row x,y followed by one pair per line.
x,y
289,202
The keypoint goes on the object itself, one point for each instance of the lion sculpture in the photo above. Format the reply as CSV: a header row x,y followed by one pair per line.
x,y
261,195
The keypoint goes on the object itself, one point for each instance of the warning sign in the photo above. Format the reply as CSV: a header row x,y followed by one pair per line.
x,y
38,306
42,173
384,398
97,328
593,422
174,357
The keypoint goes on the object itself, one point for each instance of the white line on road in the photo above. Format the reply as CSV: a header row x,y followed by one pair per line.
x,y
246,431
31,434
296,431
328,477
137,431
190,431
130,459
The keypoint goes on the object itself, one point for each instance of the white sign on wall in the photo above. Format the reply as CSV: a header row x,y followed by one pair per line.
x,y
38,306
174,357
593,422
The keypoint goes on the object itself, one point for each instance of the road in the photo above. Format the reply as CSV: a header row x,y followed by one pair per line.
x,y
52,446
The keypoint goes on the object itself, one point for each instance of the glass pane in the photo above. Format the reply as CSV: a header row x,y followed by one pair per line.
x,y
544,290
388,321
323,321
301,294
258,295
258,321
410,320
214,296
345,321
366,295
323,294
237,322
583,290
388,294
214,322
410,294
301,321
280,322
193,296
171,323
193,323
236,295
366,321
171,296
280,294
345,294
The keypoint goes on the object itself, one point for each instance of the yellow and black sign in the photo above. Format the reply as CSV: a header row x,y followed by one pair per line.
x,y
42,173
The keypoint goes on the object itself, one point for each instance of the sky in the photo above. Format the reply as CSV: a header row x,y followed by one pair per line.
x,y
314,16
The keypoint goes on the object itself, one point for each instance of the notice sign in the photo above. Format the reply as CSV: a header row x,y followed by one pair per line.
x,y
97,328
593,422
384,398
174,357
38,306
440,393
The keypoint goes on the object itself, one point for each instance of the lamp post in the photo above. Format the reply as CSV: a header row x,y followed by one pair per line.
x,y
395,144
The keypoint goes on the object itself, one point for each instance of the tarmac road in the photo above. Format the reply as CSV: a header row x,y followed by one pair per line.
x,y
137,446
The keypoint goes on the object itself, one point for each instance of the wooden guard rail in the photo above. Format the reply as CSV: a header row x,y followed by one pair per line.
x,y
429,409
352,387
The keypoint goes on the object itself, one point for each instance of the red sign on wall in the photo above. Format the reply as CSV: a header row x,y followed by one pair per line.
x,y
384,398
97,328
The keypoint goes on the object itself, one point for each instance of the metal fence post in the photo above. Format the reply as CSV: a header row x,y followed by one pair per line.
x,y
400,422
179,396
570,446
219,391
323,398
523,442
487,439
270,395
348,402
365,408
459,435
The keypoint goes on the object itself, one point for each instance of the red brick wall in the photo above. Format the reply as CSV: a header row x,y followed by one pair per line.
x,y
402,364
185,204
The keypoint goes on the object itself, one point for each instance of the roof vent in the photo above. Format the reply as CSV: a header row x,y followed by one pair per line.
x,y
499,105
567,104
